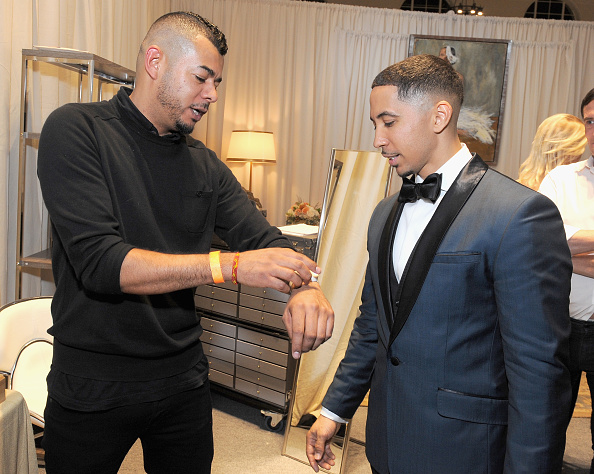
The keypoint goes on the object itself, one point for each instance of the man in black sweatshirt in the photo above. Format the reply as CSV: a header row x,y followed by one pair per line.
x,y
134,203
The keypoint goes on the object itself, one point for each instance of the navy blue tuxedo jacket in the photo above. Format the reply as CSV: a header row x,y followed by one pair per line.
x,y
473,379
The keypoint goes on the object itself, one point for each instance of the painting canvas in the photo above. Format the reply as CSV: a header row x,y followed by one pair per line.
x,y
483,65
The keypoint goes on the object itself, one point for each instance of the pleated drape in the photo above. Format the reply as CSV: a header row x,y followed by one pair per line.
x,y
298,69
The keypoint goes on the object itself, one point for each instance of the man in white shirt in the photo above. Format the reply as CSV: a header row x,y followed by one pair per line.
x,y
463,334
571,187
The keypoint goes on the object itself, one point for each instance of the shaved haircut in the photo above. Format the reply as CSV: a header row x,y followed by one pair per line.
x,y
421,77
176,32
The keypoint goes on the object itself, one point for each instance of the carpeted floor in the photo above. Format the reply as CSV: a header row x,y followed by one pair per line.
x,y
244,446
583,406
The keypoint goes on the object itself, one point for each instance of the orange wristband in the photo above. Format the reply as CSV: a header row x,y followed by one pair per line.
x,y
215,266
234,268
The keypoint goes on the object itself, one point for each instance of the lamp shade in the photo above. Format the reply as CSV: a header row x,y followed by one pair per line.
x,y
257,147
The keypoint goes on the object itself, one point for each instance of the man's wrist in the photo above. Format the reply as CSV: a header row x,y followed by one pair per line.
x,y
332,416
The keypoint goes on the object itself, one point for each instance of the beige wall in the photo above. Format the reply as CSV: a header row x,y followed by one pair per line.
x,y
582,9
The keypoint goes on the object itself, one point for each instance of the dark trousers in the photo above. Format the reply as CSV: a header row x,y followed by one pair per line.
x,y
176,436
581,359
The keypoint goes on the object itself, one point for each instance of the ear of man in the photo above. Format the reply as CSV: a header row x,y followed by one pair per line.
x,y
153,57
442,116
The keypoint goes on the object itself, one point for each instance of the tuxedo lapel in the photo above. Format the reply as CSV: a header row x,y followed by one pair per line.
x,y
422,256
384,255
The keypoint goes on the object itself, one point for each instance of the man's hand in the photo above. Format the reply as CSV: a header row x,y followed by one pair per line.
x,y
318,449
308,316
309,319
278,268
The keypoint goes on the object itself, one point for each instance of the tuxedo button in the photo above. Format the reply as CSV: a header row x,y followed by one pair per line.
x,y
395,360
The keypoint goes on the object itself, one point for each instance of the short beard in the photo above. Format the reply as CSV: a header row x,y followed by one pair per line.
x,y
173,107
184,128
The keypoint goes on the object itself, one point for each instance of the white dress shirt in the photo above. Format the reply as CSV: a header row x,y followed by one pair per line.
x,y
415,217
571,187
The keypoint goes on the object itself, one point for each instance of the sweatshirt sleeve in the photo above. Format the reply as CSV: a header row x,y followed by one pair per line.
x,y
238,221
78,200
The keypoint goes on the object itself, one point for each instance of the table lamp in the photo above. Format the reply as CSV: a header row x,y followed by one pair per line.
x,y
252,147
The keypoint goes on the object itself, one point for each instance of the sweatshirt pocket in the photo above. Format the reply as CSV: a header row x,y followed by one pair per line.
x,y
196,208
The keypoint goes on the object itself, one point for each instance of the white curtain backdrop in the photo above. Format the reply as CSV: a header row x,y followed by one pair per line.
x,y
298,69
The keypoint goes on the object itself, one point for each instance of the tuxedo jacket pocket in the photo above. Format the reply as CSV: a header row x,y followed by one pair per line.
x,y
472,408
457,257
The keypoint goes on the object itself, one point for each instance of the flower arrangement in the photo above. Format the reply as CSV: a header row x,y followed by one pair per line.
x,y
303,213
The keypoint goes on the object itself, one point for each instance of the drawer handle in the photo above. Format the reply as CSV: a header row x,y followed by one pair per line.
x,y
258,379
210,338
262,318
258,392
258,366
260,353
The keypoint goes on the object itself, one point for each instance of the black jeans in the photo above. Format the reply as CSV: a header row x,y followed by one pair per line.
x,y
581,359
176,436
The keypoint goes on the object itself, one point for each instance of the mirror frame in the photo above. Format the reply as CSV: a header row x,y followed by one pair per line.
x,y
334,172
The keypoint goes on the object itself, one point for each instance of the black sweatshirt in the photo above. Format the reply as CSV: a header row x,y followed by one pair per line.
x,y
110,184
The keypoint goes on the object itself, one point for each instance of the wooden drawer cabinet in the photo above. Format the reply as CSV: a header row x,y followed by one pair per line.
x,y
262,304
261,366
212,325
218,352
246,343
218,340
262,339
216,306
258,352
221,378
260,392
221,365
260,379
269,293
216,293
261,317
220,299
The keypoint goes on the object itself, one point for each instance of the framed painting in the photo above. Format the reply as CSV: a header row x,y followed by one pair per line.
x,y
483,66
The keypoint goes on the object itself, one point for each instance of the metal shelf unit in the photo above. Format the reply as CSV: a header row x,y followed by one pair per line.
x,y
92,71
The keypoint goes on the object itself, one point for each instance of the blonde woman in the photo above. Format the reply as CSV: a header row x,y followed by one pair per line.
x,y
560,140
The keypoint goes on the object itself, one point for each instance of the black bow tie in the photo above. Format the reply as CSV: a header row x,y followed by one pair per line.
x,y
428,189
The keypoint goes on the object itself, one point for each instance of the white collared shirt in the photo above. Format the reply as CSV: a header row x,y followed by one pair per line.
x,y
571,187
416,215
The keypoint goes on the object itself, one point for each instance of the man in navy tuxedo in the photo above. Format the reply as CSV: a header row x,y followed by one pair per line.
x,y
463,332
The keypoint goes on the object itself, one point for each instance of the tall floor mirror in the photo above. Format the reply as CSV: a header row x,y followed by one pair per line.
x,y
357,181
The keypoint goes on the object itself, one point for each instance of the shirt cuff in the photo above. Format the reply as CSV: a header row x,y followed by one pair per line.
x,y
333,416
